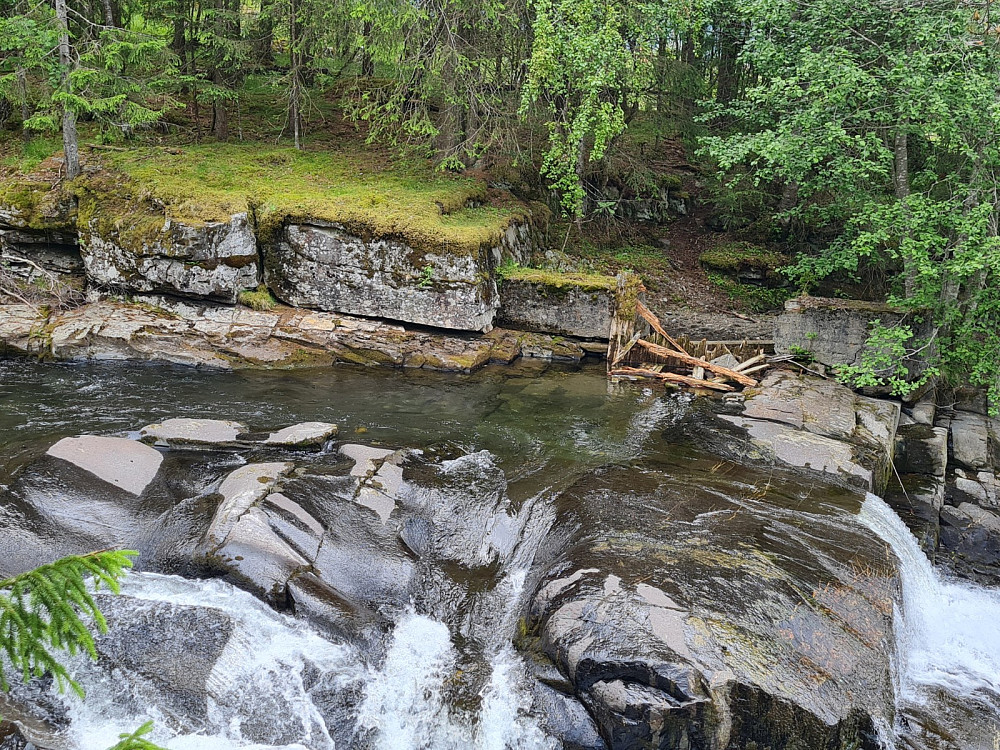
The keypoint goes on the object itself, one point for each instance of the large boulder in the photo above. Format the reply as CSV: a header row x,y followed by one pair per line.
x,y
213,260
326,266
581,305
820,425
683,618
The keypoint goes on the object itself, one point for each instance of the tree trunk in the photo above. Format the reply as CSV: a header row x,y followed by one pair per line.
x,y
901,186
367,61
22,92
220,115
71,144
109,13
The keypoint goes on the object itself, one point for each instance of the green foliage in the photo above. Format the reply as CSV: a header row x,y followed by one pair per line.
x,y
259,299
46,610
137,739
756,298
587,69
883,362
731,257
426,277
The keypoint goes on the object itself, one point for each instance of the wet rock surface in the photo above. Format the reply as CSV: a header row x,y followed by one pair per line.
x,y
663,614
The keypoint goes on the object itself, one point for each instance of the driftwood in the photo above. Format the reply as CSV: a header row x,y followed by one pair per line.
x,y
655,323
662,351
670,377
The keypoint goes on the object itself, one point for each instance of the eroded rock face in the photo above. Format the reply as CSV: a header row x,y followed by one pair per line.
x,y
820,425
214,260
324,266
570,311
683,619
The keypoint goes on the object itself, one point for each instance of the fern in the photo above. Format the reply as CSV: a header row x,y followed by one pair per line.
x,y
46,610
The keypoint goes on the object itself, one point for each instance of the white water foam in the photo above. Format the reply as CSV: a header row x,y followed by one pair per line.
x,y
948,633
261,672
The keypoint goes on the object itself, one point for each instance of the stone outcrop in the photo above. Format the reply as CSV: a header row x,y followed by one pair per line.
x,y
820,425
559,303
835,331
125,464
327,267
184,431
212,260
206,335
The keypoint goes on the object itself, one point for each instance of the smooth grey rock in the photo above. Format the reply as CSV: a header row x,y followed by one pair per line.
x,y
324,266
566,718
184,431
293,524
726,360
240,491
823,407
567,310
805,449
366,458
970,440
922,450
924,410
258,559
214,260
126,464
302,435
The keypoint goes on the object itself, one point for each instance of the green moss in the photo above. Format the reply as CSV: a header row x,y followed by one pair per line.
x,y
259,299
37,205
733,257
558,280
756,298
358,189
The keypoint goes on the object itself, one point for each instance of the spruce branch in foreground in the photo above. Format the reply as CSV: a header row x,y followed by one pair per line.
x,y
46,610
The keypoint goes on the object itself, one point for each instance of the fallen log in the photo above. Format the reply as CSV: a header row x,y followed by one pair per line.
x,y
670,377
663,351
648,316
626,349
747,364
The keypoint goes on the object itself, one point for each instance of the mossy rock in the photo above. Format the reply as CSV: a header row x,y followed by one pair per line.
x,y
38,206
732,258
558,281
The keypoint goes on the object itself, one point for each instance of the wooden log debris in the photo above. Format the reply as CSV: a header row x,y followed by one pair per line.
x,y
671,377
663,351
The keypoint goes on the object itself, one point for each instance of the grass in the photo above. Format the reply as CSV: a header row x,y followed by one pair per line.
x,y
737,256
757,298
358,188
259,299
25,156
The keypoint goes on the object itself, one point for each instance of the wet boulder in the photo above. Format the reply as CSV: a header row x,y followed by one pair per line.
x,y
684,618
970,542
123,463
303,435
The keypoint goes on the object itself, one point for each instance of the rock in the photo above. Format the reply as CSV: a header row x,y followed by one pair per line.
x,y
564,304
923,411
257,559
126,464
970,540
566,718
240,491
918,499
835,331
186,432
682,624
323,265
303,435
726,360
823,407
979,488
205,335
806,450
970,440
922,450
213,260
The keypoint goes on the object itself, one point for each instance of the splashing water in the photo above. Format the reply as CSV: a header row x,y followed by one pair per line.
x,y
948,632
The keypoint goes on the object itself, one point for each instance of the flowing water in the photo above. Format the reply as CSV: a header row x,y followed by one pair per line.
x,y
510,453
948,646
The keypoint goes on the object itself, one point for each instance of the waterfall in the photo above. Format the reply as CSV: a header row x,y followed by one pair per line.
x,y
948,633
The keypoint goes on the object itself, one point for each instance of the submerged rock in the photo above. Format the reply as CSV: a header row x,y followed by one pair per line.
x,y
126,464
